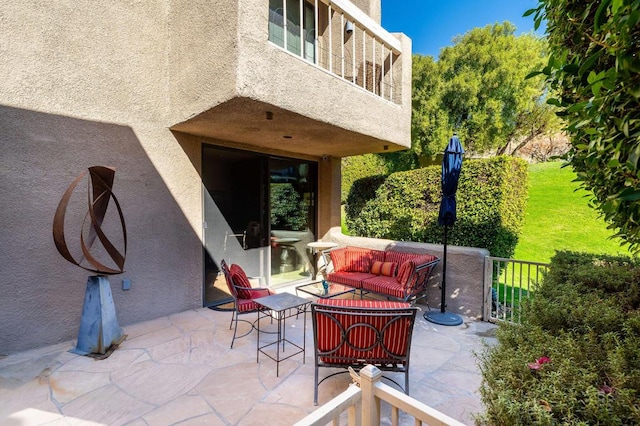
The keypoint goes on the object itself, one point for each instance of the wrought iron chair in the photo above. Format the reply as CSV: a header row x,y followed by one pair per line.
x,y
243,296
354,333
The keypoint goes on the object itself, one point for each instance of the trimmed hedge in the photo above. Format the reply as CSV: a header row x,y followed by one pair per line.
x,y
404,206
363,166
584,319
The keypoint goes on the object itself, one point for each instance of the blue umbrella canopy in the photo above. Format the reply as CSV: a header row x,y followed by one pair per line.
x,y
451,165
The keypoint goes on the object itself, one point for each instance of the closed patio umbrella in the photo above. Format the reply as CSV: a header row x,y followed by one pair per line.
x,y
451,165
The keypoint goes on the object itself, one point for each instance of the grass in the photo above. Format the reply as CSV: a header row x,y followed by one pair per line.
x,y
558,217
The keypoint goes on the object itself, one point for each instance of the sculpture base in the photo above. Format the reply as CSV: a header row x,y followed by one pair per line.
x,y
442,318
99,328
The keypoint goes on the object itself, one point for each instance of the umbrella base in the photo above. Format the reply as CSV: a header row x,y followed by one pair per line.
x,y
442,318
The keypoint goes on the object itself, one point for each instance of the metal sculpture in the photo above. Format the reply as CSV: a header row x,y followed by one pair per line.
x,y
99,194
99,331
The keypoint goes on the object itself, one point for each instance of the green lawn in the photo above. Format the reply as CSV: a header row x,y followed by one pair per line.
x,y
558,217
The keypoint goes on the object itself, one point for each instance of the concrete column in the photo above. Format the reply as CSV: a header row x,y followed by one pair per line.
x,y
329,187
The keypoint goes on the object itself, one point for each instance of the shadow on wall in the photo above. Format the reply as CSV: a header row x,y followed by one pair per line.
x,y
42,294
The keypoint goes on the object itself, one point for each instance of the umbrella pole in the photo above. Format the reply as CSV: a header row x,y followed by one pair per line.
x,y
443,287
442,317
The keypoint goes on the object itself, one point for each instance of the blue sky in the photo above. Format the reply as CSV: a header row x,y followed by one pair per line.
x,y
432,24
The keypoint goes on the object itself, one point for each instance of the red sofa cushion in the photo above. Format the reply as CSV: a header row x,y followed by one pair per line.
x,y
377,255
362,339
352,279
337,259
384,285
351,259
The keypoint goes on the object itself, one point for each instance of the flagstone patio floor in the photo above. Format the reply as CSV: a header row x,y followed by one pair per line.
x,y
180,370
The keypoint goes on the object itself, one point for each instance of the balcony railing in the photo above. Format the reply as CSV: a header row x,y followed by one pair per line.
x,y
362,402
339,38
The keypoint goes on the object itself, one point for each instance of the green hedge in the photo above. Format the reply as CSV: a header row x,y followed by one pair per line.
x,y
362,166
404,206
585,319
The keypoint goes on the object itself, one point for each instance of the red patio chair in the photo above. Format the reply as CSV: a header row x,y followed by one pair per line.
x,y
354,333
243,296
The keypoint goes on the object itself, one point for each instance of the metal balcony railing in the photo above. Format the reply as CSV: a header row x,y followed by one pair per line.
x,y
339,38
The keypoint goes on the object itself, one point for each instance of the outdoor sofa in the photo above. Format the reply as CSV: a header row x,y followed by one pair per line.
x,y
393,274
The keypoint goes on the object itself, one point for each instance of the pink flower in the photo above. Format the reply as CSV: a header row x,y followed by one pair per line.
x,y
539,362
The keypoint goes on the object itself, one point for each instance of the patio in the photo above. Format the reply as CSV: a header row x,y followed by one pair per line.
x,y
180,370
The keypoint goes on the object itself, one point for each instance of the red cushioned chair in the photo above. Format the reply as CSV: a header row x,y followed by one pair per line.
x,y
354,333
243,296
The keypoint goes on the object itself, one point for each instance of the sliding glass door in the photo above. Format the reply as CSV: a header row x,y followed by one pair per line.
x,y
259,212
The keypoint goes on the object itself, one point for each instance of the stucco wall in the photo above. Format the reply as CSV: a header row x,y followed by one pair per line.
x,y
85,85
465,271
100,84
202,55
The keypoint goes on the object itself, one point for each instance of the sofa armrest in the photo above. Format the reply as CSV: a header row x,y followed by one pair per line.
x,y
328,267
418,279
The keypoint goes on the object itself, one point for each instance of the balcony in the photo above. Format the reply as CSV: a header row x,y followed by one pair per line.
x,y
339,38
327,80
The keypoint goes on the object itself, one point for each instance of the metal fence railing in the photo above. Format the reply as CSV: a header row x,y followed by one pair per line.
x,y
507,282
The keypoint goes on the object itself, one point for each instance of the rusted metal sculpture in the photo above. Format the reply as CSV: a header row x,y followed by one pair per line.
x,y
99,194
99,332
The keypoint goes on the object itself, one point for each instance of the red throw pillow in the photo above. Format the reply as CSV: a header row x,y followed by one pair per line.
x,y
387,269
406,269
240,279
337,258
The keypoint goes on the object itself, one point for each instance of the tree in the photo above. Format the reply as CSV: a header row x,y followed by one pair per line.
x,y
478,89
429,122
595,68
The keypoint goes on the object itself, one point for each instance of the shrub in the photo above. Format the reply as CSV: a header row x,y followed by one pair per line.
x,y
584,317
491,200
288,209
360,167
367,165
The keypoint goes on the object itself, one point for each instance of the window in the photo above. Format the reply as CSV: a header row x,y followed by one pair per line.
x,y
299,39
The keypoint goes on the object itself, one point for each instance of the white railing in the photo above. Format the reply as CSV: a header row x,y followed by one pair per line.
x,y
507,282
362,402
339,38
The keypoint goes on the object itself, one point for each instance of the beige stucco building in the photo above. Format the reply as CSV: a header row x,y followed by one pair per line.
x,y
216,115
